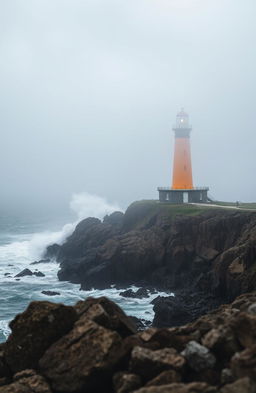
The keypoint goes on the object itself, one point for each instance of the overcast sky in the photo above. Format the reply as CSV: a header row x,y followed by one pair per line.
x,y
89,90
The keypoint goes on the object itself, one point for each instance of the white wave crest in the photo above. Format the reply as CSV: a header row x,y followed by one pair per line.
x,y
84,205
4,328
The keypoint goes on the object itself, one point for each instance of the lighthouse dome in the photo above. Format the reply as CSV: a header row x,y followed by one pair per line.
x,y
182,119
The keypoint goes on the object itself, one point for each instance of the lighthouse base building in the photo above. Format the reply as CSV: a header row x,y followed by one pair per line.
x,y
182,189
195,195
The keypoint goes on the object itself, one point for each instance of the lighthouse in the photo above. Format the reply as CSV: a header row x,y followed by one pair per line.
x,y
182,189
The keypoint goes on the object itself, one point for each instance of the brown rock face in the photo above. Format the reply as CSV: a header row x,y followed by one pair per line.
x,y
27,382
126,382
195,387
165,378
34,331
243,385
243,364
83,359
107,314
148,363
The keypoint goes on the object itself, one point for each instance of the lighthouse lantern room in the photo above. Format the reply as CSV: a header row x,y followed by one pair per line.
x,y
182,189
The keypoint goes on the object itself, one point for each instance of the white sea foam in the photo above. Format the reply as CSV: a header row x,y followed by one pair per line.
x,y
4,328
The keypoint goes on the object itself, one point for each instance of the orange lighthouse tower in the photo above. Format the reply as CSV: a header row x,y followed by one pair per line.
x,y
182,189
182,168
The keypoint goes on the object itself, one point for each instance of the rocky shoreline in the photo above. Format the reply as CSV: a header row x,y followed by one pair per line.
x,y
206,256
94,347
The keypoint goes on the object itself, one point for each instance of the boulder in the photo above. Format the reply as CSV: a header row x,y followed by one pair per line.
x,y
139,294
24,273
126,382
243,385
194,387
169,312
199,357
243,364
27,381
165,378
50,293
82,360
148,364
107,314
33,331
38,274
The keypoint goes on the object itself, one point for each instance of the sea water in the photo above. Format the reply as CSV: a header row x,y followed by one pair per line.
x,y
22,241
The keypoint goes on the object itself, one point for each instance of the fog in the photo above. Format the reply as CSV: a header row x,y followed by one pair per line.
x,y
90,90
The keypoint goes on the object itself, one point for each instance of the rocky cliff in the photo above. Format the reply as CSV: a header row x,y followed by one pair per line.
x,y
168,247
93,347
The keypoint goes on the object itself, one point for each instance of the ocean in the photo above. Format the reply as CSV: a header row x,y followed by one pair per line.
x,y
22,241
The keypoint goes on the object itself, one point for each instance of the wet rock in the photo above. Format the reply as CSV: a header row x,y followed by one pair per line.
x,y
148,363
47,260
27,382
125,382
50,293
169,312
194,387
243,385
107,314
7,274
243,364
199,357
39,274
139,294
24,273
165,378
83,360
33,331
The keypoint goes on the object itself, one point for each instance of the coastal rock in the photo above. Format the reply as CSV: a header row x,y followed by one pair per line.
x,y
139,294
169,312
33,331
24,273
50,293
27,382
83,360
165,378
195,387
148,363
47,260
126,382
243,385
243,364
38,274
199,357
107,314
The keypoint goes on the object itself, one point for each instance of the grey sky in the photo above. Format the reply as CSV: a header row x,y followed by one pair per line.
x,y
89,91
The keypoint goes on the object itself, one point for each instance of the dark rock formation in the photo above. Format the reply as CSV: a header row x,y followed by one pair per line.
x,y
167,247
50,293
94,348
39,274
25,272
139,294
47,260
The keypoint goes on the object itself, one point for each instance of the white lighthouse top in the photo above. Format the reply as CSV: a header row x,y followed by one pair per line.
x,y
182,119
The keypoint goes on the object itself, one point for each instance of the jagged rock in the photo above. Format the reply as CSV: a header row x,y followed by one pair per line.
x,y
243,385
25,272
83,360
252,309
47,260
222,341
199,357
39,274
107,314
139,294
165,378
243,364
169,312
50,293
148,363
195,387
126,382
33,331
27,382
